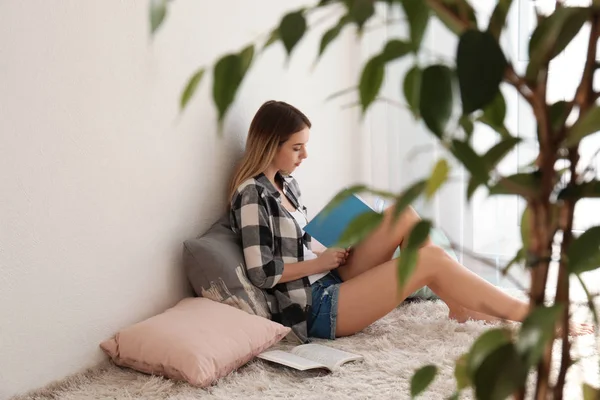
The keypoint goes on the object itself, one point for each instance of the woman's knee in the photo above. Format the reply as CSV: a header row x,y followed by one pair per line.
x,y
403,223
435,251
430,256
408,214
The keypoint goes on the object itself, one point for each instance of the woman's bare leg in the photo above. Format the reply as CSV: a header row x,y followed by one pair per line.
x,y
374,293
381,244
371,295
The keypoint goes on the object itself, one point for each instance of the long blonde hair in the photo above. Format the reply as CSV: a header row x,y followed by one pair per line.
x,y
272,125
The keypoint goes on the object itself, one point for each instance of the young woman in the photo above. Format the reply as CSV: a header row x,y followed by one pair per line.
x,y
336,293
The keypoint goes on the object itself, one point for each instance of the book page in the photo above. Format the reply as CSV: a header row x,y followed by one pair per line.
x,y
332,358
290,360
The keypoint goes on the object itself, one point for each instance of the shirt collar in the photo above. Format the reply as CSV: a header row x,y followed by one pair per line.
x,y
263,180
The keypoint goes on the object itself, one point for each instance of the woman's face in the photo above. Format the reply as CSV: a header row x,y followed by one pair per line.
x,y
291,153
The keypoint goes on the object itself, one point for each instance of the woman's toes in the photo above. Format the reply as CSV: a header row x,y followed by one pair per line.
x,y
457,316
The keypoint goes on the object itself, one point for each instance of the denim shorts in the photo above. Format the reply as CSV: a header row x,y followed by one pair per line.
x,y
323,318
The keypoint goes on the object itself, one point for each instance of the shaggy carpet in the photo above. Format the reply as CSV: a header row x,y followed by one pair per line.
x,y
411,336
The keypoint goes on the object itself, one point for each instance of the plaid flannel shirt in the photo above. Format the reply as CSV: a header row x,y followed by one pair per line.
x,y
271,238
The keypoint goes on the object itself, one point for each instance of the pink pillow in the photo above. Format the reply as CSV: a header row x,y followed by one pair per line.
x,y
198,341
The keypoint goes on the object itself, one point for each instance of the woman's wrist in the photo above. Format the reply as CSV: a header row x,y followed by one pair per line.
x,y
315,266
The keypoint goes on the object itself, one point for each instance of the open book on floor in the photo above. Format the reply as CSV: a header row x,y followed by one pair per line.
x,y
310,356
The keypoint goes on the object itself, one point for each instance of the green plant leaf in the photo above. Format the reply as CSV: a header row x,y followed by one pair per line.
x,y
355,189
523,184
453,397
590,393
480,66
498,18
381,193
407,261
332,34
472,187
460,372
422,379
412,89
395,49
291,29
585,126
246,56
359,228
558,114
501,129
526,228
584,252
273,37
471,160
495,112
227,76
517,258
343,195
552,35
435,102
537,330
484,346
437,178
408,196
417,14
497,153
449,12
500,374
589,189
190,88
418,234
467,124
360,11
158,12
370,81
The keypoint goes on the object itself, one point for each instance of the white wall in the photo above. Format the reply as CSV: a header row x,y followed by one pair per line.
x,y
101,181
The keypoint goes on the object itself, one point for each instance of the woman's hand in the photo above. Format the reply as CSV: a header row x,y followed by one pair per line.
x,y
332,258
348,252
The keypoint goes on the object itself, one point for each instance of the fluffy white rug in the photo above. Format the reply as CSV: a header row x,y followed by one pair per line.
x,y
411,336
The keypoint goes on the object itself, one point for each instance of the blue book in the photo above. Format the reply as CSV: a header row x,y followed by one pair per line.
x,y
328,227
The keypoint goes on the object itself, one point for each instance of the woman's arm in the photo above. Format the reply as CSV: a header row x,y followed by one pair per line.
x,y
328,260
293,271
317,248
253,222
265,270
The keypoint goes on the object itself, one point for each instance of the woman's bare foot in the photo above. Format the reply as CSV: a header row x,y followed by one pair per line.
x,y
462,315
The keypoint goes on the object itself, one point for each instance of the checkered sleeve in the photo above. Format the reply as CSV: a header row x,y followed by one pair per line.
x,y
256,228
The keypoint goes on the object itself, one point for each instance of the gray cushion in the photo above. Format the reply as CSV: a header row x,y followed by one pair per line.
x,y
214,264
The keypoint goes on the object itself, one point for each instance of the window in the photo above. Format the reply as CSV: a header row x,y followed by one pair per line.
x,y
496,220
